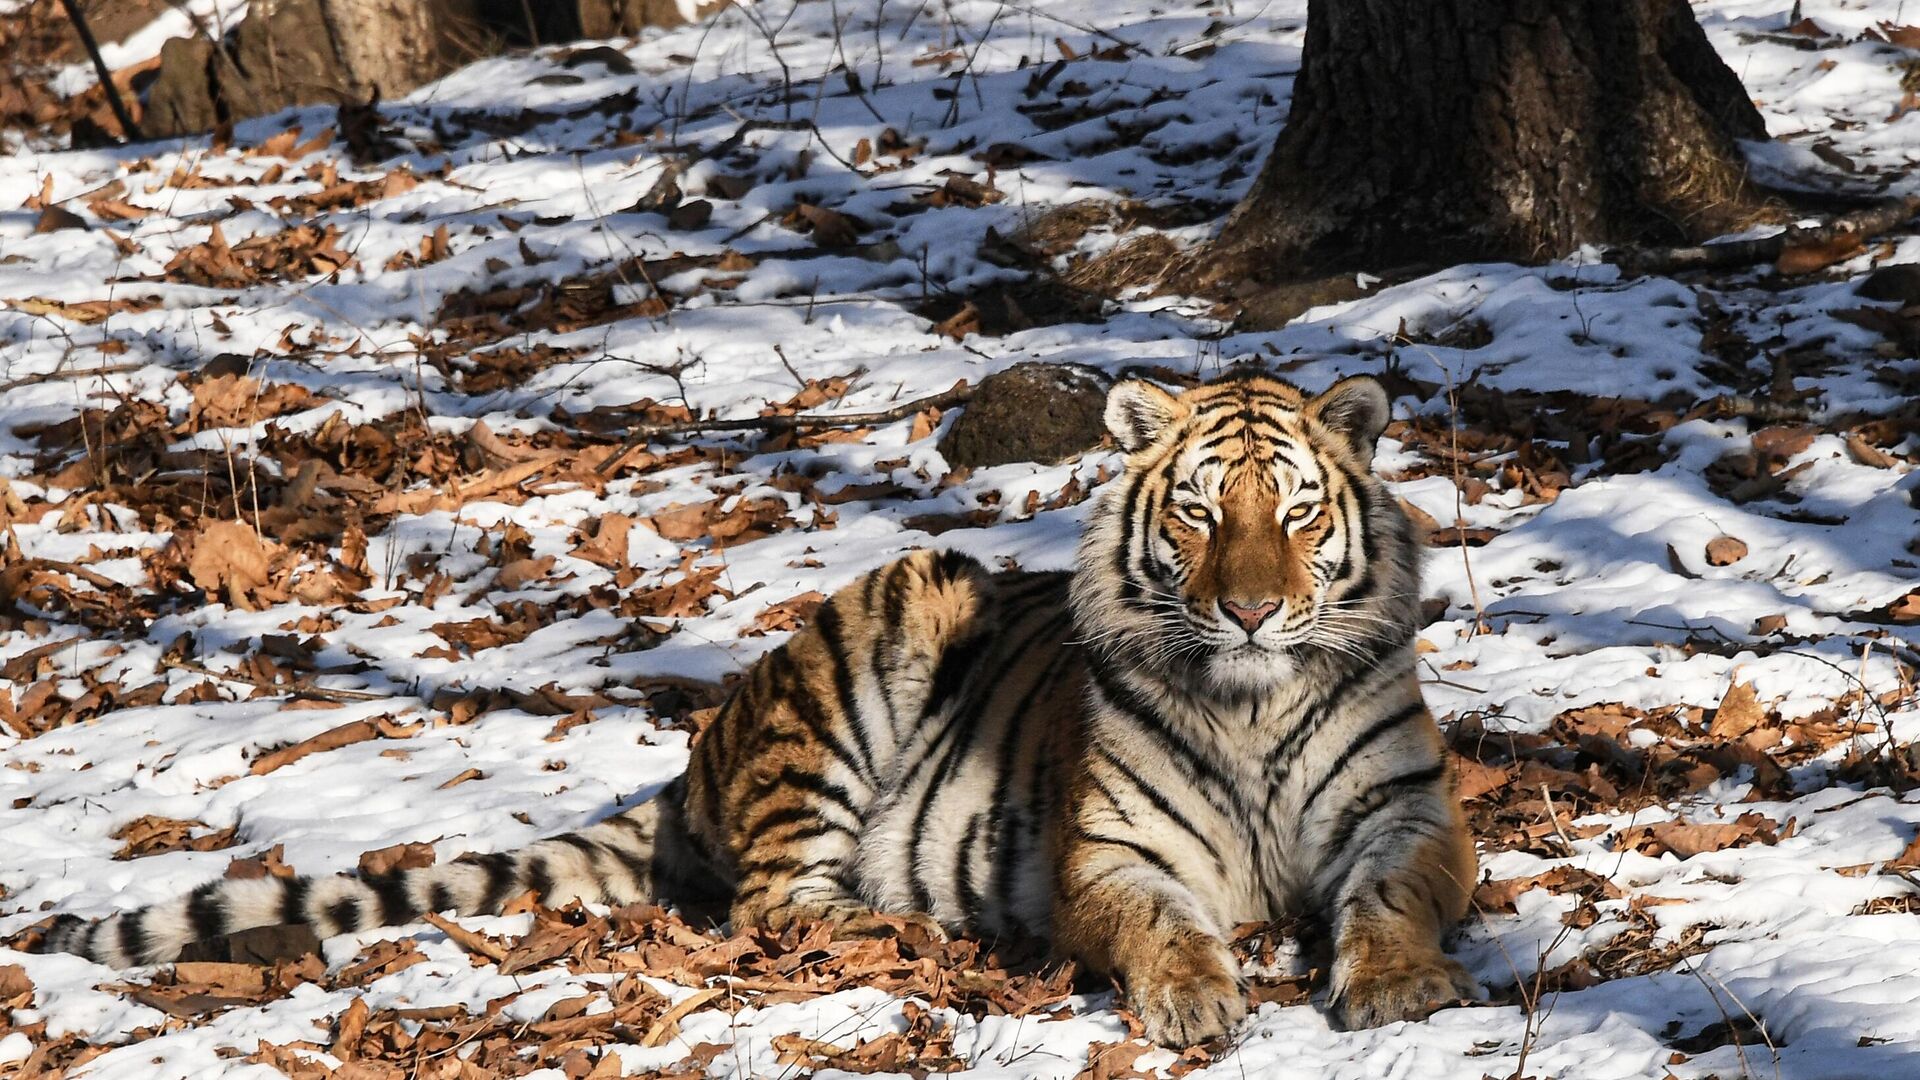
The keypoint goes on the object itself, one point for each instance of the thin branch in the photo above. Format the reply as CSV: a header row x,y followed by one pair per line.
x,y
66,373
320,692
129,131
958,394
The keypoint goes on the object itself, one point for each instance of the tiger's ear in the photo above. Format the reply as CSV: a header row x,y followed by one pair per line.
x,y
1357,409
1138,411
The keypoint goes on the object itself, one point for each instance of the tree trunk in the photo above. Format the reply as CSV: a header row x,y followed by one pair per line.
x,y
296,52
1454,130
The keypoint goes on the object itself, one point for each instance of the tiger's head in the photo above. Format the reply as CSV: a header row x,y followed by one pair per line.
x,y
1246,535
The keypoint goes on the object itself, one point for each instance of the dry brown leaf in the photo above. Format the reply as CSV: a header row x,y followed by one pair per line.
x,y
16,990
347,734
1818,255
684,521
239,980
1910,858
1476,779
55,218
608,547
269,863
1907,37
520,573
1115,1061
230,558
830,228
489,451
1906,609
1865,453
787,615
1686,839
1739,712
386,860
474,943
352,1025
924,423
668,1026
1725,550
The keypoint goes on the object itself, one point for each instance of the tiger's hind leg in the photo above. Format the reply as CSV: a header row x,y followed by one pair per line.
x,y
785,778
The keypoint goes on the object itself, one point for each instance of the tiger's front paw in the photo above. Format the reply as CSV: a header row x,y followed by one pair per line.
x,y
1402,988
1191,993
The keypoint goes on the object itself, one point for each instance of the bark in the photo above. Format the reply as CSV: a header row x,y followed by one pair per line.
x,y
1453,130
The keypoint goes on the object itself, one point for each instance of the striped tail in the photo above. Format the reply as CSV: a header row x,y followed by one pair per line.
x,y
616,861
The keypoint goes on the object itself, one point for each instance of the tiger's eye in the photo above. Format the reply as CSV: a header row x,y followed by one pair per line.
x,y
1195,513
1301,513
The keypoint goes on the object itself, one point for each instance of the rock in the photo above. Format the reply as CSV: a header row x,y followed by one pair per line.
x,y
1900,282
1029,412
181,99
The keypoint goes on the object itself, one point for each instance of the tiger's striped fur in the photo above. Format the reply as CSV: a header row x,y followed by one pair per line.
x,y
1213,719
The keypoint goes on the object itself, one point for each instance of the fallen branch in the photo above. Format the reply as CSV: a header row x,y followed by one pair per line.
x,y
66,373
1737,253
319,692
957,394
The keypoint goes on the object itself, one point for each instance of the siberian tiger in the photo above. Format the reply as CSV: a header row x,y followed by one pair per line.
x,y
1213,719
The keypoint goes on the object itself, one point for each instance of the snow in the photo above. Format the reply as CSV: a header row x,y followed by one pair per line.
x,y
1572,602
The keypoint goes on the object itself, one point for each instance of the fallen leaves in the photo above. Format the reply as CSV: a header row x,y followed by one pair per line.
x,y
156,835
1685,839
298,252
230,559
1499,895
742,520
387,860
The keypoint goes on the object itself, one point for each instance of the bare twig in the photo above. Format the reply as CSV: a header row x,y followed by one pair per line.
x,y
958,394
66,373
1734,253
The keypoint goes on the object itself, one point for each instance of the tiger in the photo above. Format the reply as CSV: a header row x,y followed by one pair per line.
x,y
1212,719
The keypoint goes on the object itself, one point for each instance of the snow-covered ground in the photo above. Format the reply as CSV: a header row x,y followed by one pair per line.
x,y
398,356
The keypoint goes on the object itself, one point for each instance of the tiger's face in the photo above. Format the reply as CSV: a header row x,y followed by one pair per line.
x,y
1244,532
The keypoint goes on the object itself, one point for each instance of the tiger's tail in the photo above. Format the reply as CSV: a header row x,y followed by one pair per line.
x,y
627,858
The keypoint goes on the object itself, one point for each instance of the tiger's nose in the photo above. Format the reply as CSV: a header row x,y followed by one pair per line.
x,y
1250,615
